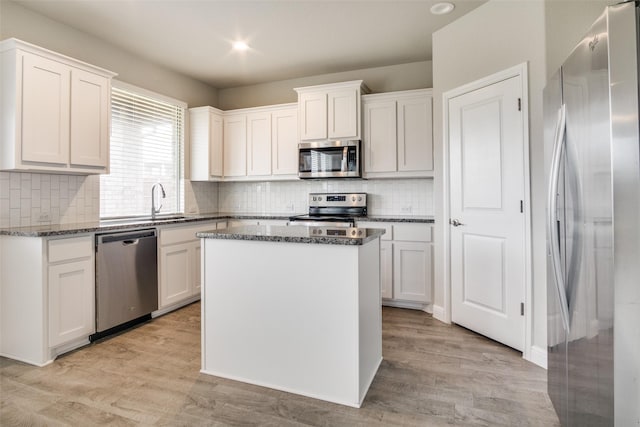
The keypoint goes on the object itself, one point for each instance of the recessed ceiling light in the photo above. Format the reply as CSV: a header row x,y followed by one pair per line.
x,y
240,45
442,8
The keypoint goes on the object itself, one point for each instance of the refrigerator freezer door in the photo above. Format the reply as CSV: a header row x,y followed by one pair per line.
x,y
556,330
588,215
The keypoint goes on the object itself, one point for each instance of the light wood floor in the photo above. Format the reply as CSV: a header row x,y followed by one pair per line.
x,y
432,374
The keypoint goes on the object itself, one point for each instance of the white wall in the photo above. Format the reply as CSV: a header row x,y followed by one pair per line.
x,y
496,36
414,75
19,22
565,24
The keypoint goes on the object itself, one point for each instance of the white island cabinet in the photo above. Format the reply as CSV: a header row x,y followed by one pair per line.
x,y
270,315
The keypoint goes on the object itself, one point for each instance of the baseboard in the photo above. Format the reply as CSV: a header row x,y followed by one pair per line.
x,y
538,356
163,311
438,313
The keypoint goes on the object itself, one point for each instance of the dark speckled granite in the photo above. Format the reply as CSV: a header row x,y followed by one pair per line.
x,y
128,224
391,218
296,234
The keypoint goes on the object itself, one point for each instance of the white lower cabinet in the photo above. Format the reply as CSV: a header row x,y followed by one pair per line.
x,y
48,305
412,272
179,264
406,264
71,282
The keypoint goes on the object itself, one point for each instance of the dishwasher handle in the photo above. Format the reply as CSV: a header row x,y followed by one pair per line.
x,y
127,238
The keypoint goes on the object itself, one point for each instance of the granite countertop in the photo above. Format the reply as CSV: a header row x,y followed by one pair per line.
x,y
296,234
132,223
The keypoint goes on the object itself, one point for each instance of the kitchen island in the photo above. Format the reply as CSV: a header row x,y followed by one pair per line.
x,y
293,308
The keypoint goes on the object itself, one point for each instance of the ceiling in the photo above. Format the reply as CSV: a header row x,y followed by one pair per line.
x,y
287,39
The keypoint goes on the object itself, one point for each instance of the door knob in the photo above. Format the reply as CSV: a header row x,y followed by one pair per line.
x,y
455,222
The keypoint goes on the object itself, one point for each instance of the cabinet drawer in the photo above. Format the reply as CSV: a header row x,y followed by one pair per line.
x,y
67,249
170,236
412,232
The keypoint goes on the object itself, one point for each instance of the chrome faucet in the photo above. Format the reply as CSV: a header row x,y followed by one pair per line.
x,y
154,211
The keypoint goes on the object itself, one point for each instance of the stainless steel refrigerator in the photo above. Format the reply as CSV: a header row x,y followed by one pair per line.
x,y
592,154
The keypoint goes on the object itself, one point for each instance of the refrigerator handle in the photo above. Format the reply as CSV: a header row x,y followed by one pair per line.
x,y
552,233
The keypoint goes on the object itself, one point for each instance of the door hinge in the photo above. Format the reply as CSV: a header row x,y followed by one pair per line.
x,y
519,104
521,206
521,309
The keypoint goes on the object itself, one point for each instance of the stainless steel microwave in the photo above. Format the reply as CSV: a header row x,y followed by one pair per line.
x,y
329,159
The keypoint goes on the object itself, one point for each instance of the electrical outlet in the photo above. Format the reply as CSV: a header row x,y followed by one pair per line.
x,y
44,217
406,209
290,207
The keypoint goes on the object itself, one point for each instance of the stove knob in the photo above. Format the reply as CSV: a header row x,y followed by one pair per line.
x,y
314,198
319,198
353,232
353,198
359,198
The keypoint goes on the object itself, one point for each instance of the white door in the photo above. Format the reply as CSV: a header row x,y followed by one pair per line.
x,y
486,149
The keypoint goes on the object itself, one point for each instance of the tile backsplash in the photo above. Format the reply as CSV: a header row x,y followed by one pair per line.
x,y
386,197
30,199
38,199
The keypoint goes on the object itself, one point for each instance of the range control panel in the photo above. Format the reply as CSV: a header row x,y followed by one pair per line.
x,y
337,199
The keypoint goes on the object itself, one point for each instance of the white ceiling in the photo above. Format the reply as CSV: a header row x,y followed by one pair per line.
x,y
287,39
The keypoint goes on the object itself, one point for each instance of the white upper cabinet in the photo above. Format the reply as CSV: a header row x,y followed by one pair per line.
x,y
343,112
284,142
89,137
330,111
250,144
59,109
415,134
259,144
313,115
380,127
235,145
206,130
398,134
45,110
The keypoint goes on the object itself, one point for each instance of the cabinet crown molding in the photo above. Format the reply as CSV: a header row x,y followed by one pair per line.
x,y
17,44
363,87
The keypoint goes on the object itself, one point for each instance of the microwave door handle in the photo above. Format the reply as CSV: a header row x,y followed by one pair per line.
x,y
343,165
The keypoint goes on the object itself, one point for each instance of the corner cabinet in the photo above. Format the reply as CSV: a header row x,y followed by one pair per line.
x,y
250,144
48,296
406,264
330,111
59,109
398,134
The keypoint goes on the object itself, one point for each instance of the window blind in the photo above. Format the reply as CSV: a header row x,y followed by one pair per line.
x,y
146,147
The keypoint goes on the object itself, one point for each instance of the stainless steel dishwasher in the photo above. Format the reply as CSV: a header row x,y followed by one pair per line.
x,y
126,279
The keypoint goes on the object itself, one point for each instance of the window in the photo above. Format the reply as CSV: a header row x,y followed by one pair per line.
x,y
147,133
